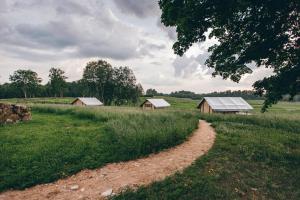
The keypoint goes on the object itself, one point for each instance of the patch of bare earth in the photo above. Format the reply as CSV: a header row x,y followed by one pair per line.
x,y
113,178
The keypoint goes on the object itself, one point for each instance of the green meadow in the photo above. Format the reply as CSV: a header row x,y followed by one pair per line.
x,y
62,140
254,157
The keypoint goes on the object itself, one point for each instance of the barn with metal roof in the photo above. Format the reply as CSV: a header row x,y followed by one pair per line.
x,y
87,101
224,105
154,104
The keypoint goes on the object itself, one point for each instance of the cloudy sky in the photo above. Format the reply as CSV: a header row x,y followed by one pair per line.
x,y
40,34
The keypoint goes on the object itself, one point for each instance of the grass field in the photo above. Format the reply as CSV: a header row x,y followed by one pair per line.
x,y
48,100
60,140
176,103
254,157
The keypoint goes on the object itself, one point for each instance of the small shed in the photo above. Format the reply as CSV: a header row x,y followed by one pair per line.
x,y
224,105
154,104
87,101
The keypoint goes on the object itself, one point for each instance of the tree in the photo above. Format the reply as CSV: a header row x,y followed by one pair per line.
x,y
111,85
57,82
26,80
151,92
99,77
77,88
8,90
140,89
266,33
125,86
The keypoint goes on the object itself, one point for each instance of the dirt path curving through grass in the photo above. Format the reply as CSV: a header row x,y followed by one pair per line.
x,y
95,184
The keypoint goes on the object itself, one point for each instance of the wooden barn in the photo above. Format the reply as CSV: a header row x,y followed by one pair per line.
x,y
224,105
87,101
154,104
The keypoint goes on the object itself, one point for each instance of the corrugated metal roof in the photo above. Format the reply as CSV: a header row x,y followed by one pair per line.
x,y
90,101
227,103
158,103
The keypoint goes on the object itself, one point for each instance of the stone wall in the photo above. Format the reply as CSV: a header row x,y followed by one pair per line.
x,y
10,113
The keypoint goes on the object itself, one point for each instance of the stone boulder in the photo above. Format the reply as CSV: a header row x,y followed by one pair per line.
x,y
11,113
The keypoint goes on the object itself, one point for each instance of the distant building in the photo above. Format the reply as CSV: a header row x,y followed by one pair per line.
x,y
155,104
224,105
87,101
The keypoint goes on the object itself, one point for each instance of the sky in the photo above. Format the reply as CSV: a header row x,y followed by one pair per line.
x,y
40,34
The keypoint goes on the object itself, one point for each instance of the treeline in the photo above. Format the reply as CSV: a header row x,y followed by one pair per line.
x,y
246,94
112,85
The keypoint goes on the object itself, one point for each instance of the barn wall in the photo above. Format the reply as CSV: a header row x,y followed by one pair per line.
x,y
148,106
205,108
78,103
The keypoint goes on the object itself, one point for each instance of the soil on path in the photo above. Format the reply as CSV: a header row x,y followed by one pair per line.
x,y
115,177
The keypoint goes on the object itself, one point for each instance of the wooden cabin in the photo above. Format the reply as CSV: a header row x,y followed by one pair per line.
x,y
151,104
87,101
230,105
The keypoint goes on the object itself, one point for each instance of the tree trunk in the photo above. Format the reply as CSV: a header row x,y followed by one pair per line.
x,y
25,93
102,94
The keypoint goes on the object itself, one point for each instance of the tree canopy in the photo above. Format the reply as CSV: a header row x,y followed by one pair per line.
x,y
111,84
26,80
151,92
266,33
57,81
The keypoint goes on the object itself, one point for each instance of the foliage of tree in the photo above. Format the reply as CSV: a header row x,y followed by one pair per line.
x,y
98,75
111,85
57,82
246,94
26,80
125,87
8,90
185,94
140,89
151,92
266,33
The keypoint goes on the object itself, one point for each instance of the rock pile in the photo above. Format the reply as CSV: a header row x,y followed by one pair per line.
x,y
10,113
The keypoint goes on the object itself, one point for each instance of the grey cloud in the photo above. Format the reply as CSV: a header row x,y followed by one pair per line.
x,y
33,55
184,66
171,31
61,7
53,34
3,6
98,34
70,7
4,28
156,46
150,49
17,4
140,8
187,66
156,63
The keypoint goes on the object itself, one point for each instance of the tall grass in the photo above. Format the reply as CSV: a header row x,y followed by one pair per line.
x,y
283,121
254,157
62,140
133,132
